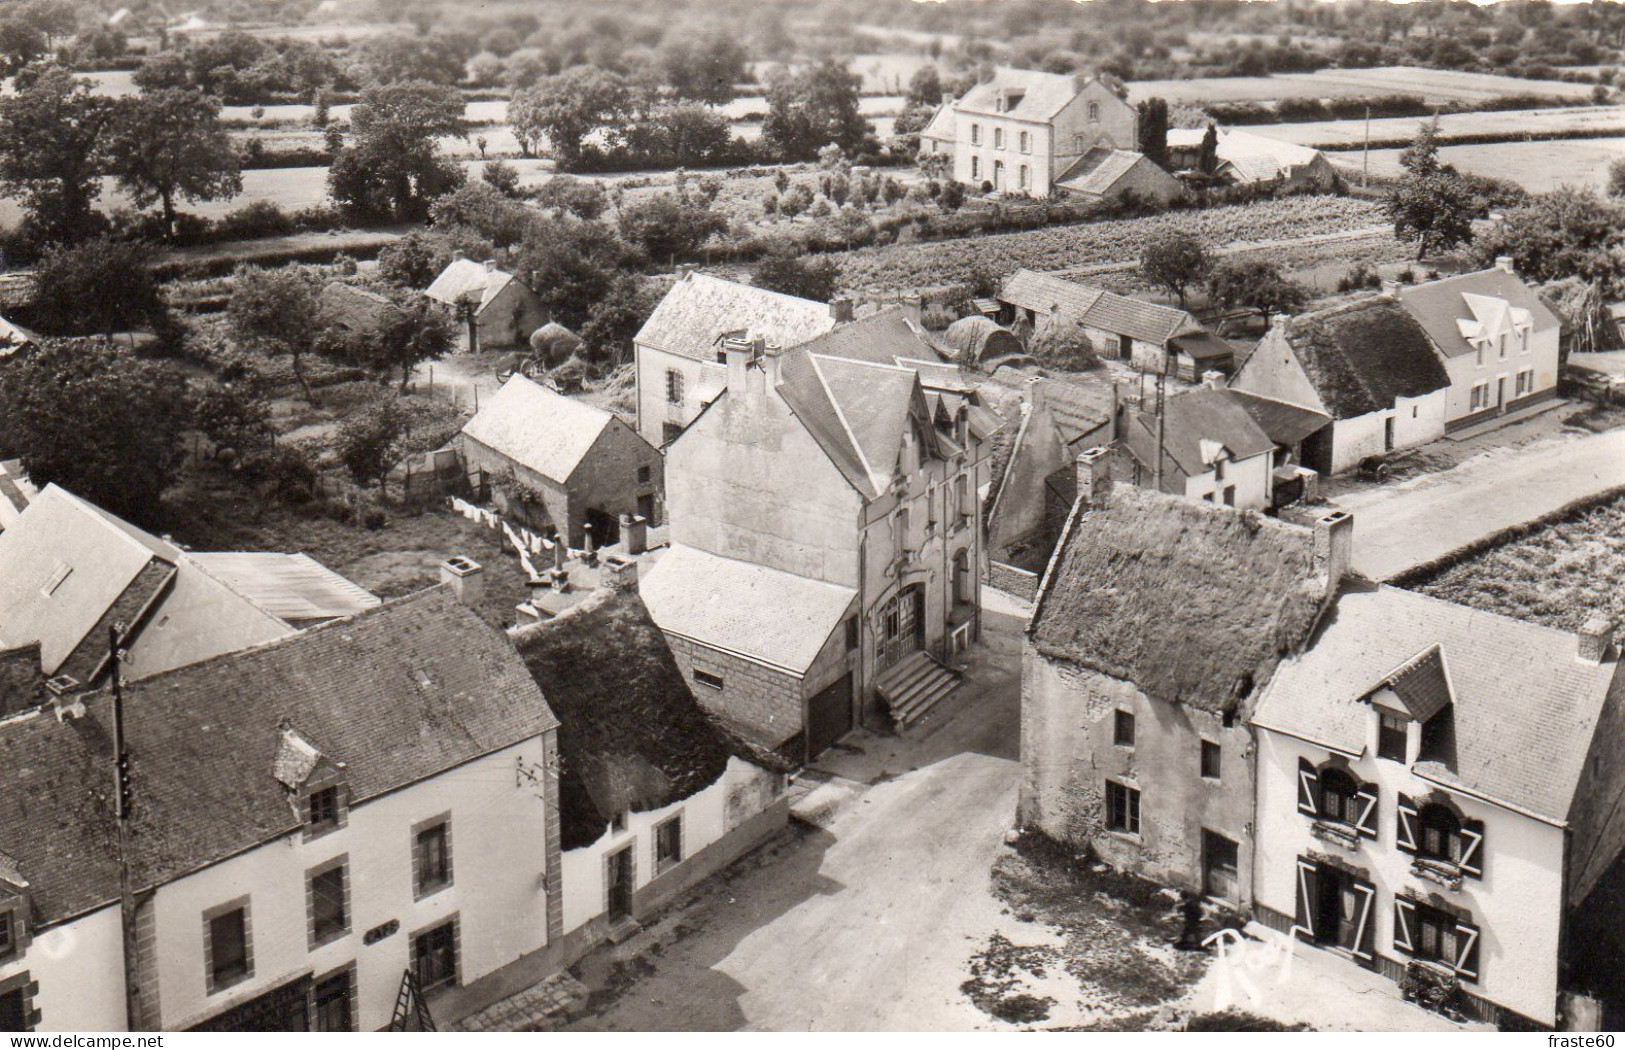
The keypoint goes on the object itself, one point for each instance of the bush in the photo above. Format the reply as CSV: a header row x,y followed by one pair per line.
x,y
284,472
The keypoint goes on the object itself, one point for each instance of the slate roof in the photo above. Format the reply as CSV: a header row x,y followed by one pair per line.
x,y
700,310
856,411
631,735
1440,306
292,587
1097,171
1523,706
1191,602
1361,356
465,280
881,338
942,126
1192,417
1137,319
772,617
538,428
398,694
1286,424
1202,346
1043,94
1045,293
1422,684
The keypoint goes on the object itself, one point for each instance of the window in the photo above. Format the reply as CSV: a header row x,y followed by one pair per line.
x,y
332,1000
998,138
1436,937
674,387
644,474
976,167
434,956
228,948
1478,354
329,905
1392,732
707,678
1441,835
1122,808
14,1011
1026,142
1218,469
851,634
669,432
669,844
1025,177
1338,800
1094,112
1479,398
1525,382
324,809
975,137
8,935
1123,728
1211,755
431,857
1501,344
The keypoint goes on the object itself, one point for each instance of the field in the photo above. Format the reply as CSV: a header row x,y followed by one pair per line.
x,y
1436,85
901,266
1560,574
1512,123
1536,166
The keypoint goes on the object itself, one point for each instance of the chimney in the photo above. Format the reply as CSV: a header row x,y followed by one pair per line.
x,y
1504,264
589,553
1094,477
1212,380
1034,393
1334,543
1596,638
1279,320
737,353
535,280
684,270
770,356
840,309
635,532
1390,289
490,265
466,579
558,554
458,256
948,98
912,308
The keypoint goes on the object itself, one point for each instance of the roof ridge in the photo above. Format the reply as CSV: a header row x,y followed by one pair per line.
x,y
869,364
840,415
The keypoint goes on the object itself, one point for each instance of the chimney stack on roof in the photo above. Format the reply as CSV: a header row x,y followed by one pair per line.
x,y
948,98
635,533
490,265
1279,320
737,354
840,309
1504,264
465,578
684,270
1213,380
1390,289
912,308
1334,544
1596,638
589,553
1094,477
458,256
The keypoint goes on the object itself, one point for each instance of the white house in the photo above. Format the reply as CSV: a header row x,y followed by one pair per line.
x,y
1497,338
1255,160
1433,785
497,308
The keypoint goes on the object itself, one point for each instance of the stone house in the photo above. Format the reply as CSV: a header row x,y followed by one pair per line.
x,y
1021,130
1368,365
1152,337
852,474
560,465
1157,625
655,795
1497,338
1438,794
1255,160
292,860
496,308
1211,448
1106,174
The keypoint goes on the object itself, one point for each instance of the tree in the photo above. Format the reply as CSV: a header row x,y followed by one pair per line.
x,y
397,58
171,144
813,108
20,44
614,319
1421,157
925,87
52,131
1435,210
98,287
1256,284
270,311
1208,157
563,110
482,208
1154,131
414,332
1566,233
705,70
1616,178
97,420
233,416
580,262
501,176
1175,260
372,441
805,278
669,226
568,195
414,261
393,167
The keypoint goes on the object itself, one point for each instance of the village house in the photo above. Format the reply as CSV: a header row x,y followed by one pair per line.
x,y
1158,623
70,571
1438,791
1497,338
1022,130
352,309
1106,174
839,472
496,308
1368,365
1247,159
655,795
561,466
17,490
15,339
313,829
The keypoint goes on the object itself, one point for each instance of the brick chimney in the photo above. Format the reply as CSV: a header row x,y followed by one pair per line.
x,y
635,533
912,308
466,579
1094,477
770,357
458,256
1504,264
1334,544
840,309
1212,380
1596,638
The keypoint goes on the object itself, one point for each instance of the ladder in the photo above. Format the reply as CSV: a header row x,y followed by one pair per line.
x,y
410,1008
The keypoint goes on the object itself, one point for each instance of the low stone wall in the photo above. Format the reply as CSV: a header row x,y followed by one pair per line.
x,y
1011,580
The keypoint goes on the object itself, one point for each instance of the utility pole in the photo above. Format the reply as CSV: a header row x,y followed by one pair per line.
x,y
1156,476
1365,154
122,799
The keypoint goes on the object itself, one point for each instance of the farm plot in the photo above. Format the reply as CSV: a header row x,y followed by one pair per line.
x,y
1436,85
1536,166
902,266
1579,121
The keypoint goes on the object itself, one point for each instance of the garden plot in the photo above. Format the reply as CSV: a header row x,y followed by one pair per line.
x,y
1507,124
1436,85
1536,166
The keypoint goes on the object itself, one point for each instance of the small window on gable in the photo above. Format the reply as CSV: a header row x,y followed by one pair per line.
x,y
1123,728
59,572
1392,732
1094,111
644,474
324,809
1211,759
851,633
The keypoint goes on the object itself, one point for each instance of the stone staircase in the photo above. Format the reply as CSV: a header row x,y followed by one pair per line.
x,y
914,686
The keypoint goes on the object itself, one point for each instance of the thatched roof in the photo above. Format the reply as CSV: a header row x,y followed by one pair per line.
x,y
1192,603
631,735
1361,356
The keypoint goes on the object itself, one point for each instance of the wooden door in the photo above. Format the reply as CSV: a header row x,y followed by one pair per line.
x,y
829,716
620,884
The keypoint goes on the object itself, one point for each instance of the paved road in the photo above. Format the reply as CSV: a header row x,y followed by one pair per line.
x,y
1401,526
868,922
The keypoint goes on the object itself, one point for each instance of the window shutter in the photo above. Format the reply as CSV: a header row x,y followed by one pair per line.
x,y
1365,932
1472,848
1308,788
1366,799
1466,951
1405,831
1304,919
1404,923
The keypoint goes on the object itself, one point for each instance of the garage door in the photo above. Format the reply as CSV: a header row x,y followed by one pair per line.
x,y
829,716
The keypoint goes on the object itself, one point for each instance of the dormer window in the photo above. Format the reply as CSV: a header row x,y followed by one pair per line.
x,y
1393,734
317,787
324,809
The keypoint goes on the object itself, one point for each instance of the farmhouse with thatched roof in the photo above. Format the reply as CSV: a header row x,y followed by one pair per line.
x,y
1158,623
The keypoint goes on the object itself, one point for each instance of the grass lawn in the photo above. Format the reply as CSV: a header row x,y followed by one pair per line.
x,y
1538,167
1559,574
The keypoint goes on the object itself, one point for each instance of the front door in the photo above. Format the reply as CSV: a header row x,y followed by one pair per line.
x,y
333,1004
829,716
901,624
620,884
1219,867
1388,434
12,1016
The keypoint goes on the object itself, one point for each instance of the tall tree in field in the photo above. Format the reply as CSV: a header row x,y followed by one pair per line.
x,y
393,166
925,87
705,70
99,287
20,44
1421,157
813,108
1256,284
1430,204
169,144
414,332
1154,131
563,110
1175,260
271,312
52,133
